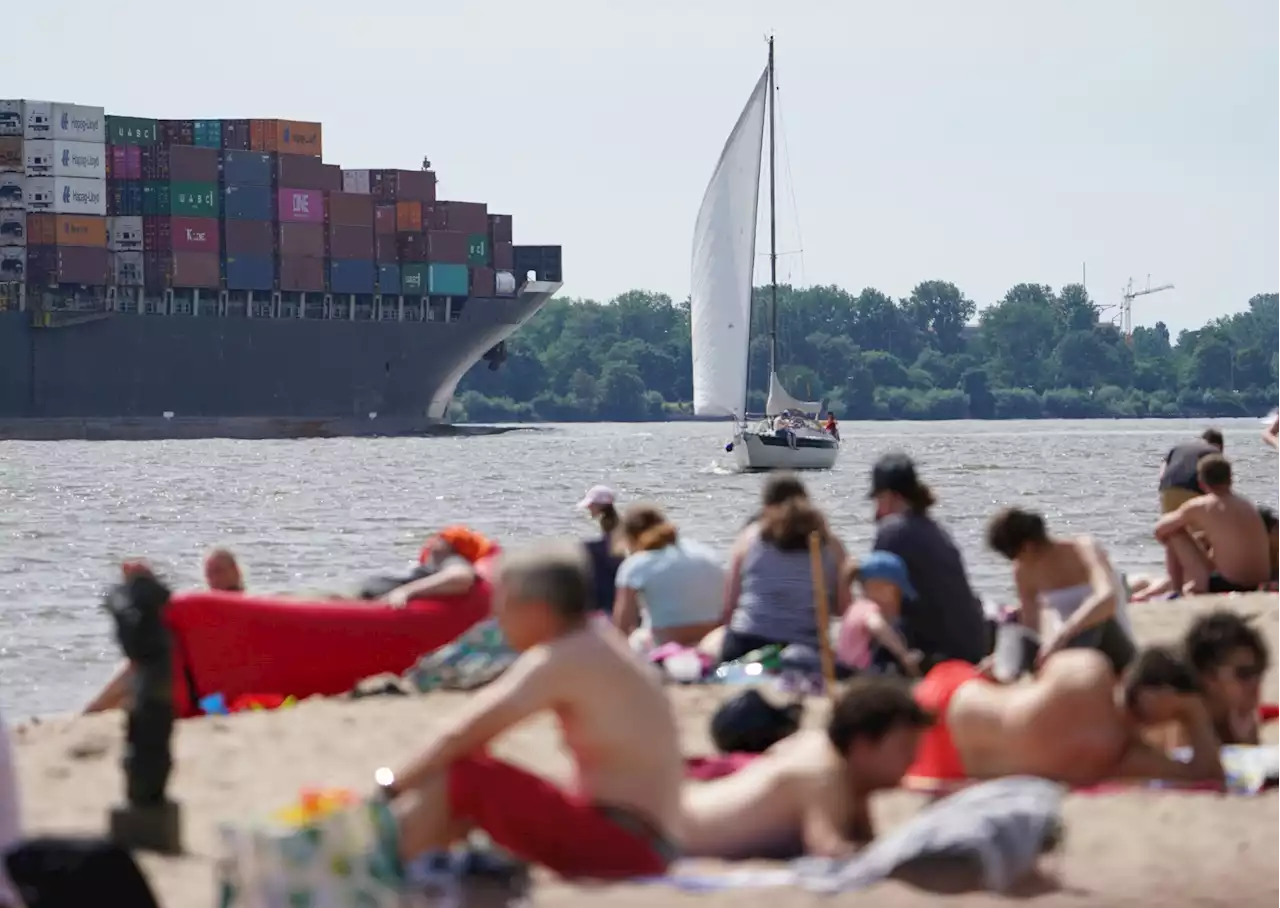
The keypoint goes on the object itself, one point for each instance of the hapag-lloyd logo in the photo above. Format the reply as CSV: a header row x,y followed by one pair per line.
x,y
80,196
79,124
86,161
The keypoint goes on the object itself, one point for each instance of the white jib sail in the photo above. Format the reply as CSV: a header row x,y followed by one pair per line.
x,y
780,399
724,256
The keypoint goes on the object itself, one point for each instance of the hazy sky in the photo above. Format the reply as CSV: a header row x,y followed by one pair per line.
x,y
985,142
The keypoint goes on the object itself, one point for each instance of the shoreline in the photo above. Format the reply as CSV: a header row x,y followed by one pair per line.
x,y
194,428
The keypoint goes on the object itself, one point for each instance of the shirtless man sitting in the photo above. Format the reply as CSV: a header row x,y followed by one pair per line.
x,y
1233,531
809,793
1070,723
620,817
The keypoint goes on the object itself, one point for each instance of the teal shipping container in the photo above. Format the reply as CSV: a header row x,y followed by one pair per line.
x,y
413,279
207,133
448,280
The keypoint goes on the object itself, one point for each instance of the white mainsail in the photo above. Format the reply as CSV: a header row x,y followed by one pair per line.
x,y
724,256
780,399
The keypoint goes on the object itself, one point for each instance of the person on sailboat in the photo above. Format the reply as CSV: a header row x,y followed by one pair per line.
x,y
832,429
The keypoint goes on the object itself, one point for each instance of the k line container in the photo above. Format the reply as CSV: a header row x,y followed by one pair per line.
x,y
59,158
304,206
194,234
66,195
250,272
448,280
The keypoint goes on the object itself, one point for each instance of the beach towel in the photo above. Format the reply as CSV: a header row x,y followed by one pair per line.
x,y
473,660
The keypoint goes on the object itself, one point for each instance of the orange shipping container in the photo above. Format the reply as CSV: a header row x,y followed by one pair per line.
x,y
67,230
286,137
408,217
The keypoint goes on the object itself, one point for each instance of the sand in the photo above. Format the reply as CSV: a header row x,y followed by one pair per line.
x,y
1131,848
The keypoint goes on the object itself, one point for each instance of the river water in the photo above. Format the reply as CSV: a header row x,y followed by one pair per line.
x,y
318,514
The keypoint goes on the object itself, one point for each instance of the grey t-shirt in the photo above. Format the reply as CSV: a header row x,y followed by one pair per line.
x,y
946,620
1180,465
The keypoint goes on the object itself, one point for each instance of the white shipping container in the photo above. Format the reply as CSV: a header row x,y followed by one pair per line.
x,y
37,120
11,118
66,195
127,268
74,122
13,227
59,158
124,234
13,263
504,283
13,190
355,181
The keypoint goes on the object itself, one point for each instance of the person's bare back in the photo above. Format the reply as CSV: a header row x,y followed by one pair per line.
x,y
1235,533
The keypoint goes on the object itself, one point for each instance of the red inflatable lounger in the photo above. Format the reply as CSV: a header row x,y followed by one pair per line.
x,y
234,644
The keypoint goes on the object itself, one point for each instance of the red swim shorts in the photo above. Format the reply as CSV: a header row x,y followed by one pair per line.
x,y
937,759
539,822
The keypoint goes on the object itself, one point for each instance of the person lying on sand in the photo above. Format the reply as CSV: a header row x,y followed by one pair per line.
x,y
1232,529
809,793
1229,657
222,572
446,567
620,817
1071,722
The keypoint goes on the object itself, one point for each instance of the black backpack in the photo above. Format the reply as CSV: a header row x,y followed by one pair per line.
x,y
748,723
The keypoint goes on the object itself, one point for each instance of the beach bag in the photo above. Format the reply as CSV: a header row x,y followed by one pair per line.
x,y
345,858
748,723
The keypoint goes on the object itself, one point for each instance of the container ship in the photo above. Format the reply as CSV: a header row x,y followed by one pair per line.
x,y
217,278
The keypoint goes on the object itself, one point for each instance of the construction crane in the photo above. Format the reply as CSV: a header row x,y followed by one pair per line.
x,y
1126,306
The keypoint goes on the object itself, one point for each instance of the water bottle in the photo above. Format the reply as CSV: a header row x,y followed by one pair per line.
x,y
684,667
739,672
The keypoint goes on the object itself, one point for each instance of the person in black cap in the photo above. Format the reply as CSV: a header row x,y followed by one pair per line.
x,y
945,620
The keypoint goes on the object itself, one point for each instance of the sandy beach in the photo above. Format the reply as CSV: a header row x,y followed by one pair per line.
x,y
1133,848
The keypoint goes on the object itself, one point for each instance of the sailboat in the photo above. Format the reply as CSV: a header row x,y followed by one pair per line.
x,y
787,436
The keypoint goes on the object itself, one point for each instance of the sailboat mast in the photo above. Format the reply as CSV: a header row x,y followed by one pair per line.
x,y
773,227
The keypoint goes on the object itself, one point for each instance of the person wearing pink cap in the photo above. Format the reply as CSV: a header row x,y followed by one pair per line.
x,y
607,552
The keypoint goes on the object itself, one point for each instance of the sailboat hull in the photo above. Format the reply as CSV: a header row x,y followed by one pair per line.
x,y
804,450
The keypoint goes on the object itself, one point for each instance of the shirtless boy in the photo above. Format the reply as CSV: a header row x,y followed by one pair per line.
x,y
1070,723
809,793
1233,531
620,817
1229,657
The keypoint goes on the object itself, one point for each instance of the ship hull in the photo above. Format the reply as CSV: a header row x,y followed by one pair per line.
x,y
157,376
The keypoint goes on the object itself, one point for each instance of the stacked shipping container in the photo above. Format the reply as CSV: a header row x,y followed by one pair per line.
x,y
241,205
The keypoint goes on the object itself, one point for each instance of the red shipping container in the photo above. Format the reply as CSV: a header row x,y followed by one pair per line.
x,y
503,256
385,251
348,242
500,228
467,217
257,238
482,281
447,247
301,241
305,275
182,270
300,171
384,220
412,247
235,135
305,206
193,234
351,209
85,265
437,218
180,164
176,132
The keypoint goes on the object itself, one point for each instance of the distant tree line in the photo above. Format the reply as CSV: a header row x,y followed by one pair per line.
x,y
1035,353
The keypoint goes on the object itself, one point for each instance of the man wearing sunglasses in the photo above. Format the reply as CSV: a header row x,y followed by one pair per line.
x,y
1229,658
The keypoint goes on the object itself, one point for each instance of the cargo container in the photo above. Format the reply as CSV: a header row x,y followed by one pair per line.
x,y
247,168
286,137
306,275
58,158
403,185
85,265
300,171
412,247
192,234
447,247
182,270
11,156
124,199
500,228
542,260
13,227
351,243
248,203
13,190
66,195
74,122
437,218
180,164
131,131
389,279
448,280
124,234
413,278
124,162
207,133
356,181
13,263
504,283
478,249
305,206
482,281
300,240
11,118
502,257
466,217
177,132
409,217
235,135
250,272
128,269
352,276
384,220
67,230
350,209
197,200
384,249
251,239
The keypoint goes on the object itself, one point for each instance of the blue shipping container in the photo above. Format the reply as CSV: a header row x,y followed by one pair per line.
x,y
389,279
448,280
352,276
248,203
247,168
250,272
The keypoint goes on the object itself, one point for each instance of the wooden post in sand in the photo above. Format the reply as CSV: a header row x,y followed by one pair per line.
x,y
821,613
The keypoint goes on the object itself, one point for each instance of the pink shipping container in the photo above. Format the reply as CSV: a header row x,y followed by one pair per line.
x,y
301,206
301,241
503,256
300,171
447,247
351,209
347,242
466,217
304,275
194,234
482,281
384,220
254,238
124,162
385,251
